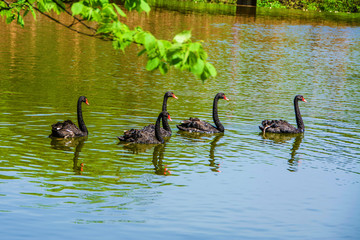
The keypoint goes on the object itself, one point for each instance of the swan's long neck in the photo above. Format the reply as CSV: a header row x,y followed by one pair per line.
x,y
299,120
80,118
157,128
216,119
165,123
164,106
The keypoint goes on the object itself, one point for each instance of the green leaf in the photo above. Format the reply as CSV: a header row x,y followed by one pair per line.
x,y
108,11
204,76
161,48
185,59
183,37
128,36
194,47
33,12
20,20
163,67
144,6
130,5
106,28
140,38
211,69
9,18
141,52
150,41
119,10
175,61
152,64
198,67
77,8
26,12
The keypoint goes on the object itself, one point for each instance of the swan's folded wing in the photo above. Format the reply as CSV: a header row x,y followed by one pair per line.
x,y
278,126
66,129
196,125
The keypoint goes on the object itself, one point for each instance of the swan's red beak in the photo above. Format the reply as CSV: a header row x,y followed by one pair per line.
x,y
87,102
226,98
169,118
174,96
304,100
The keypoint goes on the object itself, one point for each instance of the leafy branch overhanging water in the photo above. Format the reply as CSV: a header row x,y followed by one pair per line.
x,y
102,19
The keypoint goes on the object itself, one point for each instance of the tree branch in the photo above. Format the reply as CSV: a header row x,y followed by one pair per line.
x,y
77,19
69,27
8,4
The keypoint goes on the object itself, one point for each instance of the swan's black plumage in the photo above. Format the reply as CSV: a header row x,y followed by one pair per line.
x,y
281,126
68,129
196,125
147,135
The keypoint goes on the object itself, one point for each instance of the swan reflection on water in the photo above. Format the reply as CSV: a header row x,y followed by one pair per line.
x,y
66,144
136,148
158,156
214,166
294,161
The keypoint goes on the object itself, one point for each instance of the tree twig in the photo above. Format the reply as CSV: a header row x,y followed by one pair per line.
x,y
76,18
63,24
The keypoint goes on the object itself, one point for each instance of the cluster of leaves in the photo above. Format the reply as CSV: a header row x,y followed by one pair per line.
x,y
181,52
318,5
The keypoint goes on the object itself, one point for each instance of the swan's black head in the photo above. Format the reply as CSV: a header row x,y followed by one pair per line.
x,y
300,98
84,99
165,114
221,95
170,94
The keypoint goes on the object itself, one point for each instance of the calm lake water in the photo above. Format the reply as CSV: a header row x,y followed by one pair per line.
x,y
240,185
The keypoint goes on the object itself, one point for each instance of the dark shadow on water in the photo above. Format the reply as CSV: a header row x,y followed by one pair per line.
x,y
66,144
158,156
293,162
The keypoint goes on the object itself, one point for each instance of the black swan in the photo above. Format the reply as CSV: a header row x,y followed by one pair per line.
x,y
68,129
166,129
196,125
146,135
281,126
